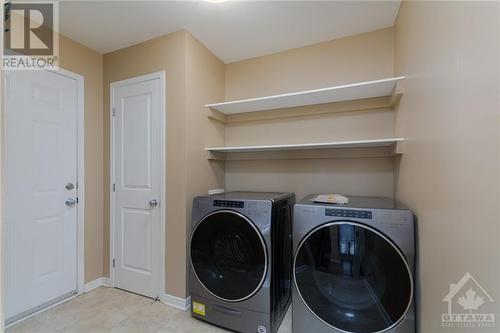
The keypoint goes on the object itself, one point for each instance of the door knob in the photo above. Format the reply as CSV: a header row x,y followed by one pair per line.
x,y
153,203
69,186
70,202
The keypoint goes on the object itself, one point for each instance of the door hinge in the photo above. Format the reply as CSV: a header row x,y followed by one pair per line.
x,y
114,112
76,185
77,200
114,187
113,262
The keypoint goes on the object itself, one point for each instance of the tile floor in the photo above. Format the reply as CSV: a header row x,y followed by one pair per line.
x,y
112,310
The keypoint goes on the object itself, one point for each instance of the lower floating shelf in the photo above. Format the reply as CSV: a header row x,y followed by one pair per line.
x,y
342,149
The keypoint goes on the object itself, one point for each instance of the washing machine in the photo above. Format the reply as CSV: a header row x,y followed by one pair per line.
x,y
240,252
353,267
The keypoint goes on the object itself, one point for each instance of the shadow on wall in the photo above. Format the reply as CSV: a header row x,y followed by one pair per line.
x,y
364,176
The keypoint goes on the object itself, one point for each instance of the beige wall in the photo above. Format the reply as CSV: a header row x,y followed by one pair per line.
x,y
357,58
165,53
204,84
194,76
362,57
82,60
449,174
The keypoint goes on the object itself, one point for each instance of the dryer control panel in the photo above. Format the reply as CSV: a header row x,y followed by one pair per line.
x,y
229,203
358,214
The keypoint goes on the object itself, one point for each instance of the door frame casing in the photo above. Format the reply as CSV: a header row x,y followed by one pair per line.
x,y
161,76
80,81
80,178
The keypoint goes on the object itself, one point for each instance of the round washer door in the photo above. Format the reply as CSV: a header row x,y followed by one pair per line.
x,y
228,255
353,278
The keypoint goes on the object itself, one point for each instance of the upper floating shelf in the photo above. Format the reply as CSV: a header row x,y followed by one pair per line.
x,y
348,92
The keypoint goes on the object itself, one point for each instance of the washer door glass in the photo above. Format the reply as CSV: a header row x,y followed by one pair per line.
x,y
353,278
228,255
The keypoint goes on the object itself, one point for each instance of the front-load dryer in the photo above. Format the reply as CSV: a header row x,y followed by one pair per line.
x,y
353,267
241,260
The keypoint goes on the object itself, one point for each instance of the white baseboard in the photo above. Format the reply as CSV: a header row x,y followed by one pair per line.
x,y
183,304
100,282
106,282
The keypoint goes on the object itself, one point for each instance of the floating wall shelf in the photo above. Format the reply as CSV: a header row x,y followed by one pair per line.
x,y
389,90
360,148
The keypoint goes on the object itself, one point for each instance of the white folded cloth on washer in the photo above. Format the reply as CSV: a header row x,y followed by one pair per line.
x,y
334,198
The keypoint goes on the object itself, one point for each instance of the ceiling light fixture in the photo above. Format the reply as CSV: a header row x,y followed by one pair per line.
x,y
215,1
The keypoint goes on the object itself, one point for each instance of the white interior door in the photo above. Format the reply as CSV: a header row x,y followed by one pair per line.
x,y
40,208
137,162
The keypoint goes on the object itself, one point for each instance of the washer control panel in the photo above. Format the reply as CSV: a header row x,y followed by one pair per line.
x,y
229,203
358,214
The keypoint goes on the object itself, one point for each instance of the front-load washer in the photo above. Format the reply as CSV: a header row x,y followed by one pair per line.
x,y
353,267
241,260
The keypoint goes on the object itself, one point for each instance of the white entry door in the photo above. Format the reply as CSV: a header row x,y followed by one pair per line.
x,y
41,189
137,164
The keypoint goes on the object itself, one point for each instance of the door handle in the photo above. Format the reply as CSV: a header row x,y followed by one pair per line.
x,y
70,202
153,203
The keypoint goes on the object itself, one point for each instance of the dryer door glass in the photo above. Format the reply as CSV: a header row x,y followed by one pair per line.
x,y
228,255
353,278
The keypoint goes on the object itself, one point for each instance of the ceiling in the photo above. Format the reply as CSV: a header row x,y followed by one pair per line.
x,y
233,30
